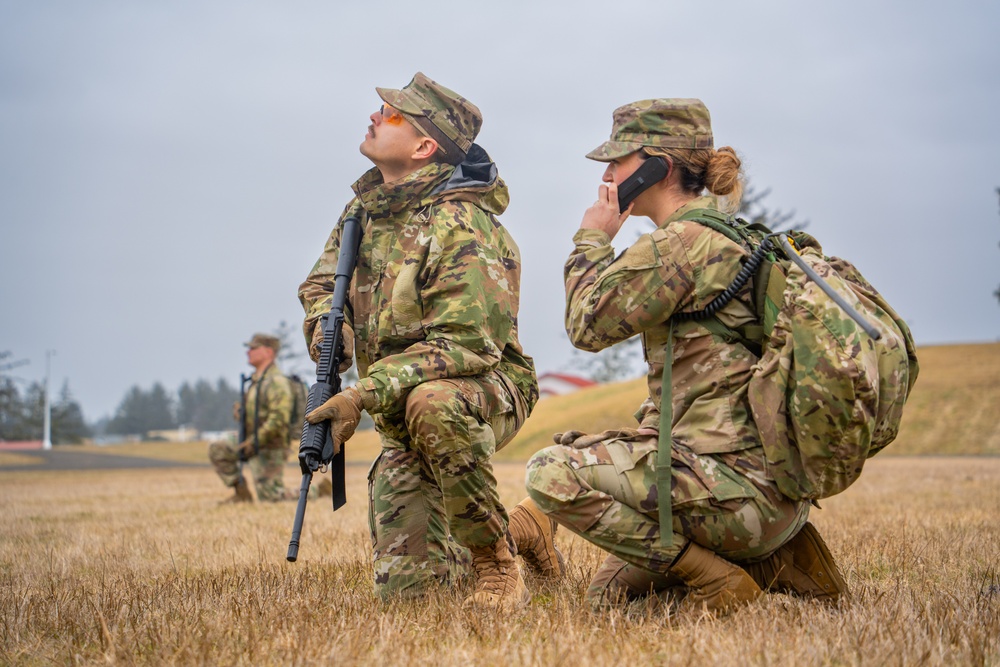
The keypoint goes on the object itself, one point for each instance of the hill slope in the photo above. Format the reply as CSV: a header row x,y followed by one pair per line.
x,y
954,409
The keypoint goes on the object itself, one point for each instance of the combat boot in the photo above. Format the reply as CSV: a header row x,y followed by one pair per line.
x,y
803,566
716,585
617,583
498,579
241,493
534,535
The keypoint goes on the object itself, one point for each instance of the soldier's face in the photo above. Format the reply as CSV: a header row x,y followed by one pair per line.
x,y
390,139
259,356
621,168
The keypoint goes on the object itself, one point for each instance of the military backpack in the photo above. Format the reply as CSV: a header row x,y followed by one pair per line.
x,y
828,390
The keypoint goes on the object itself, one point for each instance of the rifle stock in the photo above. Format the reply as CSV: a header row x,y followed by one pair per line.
x,y
316,448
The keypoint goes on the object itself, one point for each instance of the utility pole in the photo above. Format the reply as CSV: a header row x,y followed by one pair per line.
x,y
47,428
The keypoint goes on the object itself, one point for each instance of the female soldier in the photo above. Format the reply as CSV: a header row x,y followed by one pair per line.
x,y
719,501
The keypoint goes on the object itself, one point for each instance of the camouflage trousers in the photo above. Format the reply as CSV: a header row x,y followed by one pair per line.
x,y
606,493
431,491
267,468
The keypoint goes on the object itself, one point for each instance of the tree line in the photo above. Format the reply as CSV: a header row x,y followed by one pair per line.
x,y
203,406
22,414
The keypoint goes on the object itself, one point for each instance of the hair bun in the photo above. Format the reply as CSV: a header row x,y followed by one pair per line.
x,y
722,176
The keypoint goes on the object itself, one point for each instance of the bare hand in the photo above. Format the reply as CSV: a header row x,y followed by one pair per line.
x,y
603,214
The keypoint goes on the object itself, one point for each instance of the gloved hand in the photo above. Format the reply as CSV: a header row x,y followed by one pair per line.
x,y
579,440
346,333
246,449
236,411
343,411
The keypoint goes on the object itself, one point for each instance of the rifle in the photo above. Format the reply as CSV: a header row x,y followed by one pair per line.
x,y
243,416
316,447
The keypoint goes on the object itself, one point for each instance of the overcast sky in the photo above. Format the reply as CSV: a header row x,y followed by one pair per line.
x,y
169,171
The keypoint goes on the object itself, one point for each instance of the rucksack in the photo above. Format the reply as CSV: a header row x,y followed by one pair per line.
x,y
300,394
825,394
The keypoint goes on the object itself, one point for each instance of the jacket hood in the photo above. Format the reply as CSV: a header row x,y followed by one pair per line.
x,y
475,180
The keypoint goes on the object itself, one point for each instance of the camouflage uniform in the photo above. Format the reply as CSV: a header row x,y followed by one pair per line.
x,y
433,307
603,487
268,465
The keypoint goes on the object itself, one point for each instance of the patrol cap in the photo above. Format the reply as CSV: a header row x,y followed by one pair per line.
x,y
439,113
664,123
264,340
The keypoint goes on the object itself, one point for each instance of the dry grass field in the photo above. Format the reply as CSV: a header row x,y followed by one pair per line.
x,y
121,567
144,567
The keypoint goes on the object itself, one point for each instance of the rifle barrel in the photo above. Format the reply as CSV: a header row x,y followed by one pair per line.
x,y
300,515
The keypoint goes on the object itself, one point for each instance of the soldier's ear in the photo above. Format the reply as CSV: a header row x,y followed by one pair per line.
x,y
425,149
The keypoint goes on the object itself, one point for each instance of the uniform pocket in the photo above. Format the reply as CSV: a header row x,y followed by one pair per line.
x,y
709,479
628,451
371,496
407,311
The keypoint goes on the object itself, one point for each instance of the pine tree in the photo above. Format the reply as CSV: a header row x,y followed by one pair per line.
x,y
68,424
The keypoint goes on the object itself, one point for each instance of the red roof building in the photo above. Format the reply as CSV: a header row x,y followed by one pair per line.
x,y
557,384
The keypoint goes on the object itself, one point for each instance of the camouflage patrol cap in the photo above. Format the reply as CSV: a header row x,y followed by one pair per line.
x,y
442,114
665,123
264,340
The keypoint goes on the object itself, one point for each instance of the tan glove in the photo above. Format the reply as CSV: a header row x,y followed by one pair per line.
x,y
348,335
343,411
245,449
579,440
236,411
317,344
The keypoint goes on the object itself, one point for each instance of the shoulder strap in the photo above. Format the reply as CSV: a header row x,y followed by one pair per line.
x,y
750,335
735,229
665,445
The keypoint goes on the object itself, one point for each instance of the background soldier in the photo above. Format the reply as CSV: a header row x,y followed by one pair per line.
x,y
268,412
433,309
721,505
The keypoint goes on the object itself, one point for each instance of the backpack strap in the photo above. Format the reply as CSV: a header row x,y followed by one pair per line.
x,y
750,335
664,447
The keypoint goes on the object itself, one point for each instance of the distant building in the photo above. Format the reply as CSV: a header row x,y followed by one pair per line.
x,y
227,436
20,444
557,384
174,435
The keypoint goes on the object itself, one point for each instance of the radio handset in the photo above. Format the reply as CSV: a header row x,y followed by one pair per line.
x,y
652,171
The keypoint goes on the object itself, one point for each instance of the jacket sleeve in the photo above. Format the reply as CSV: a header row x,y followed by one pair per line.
x,y
609,299
469,295
316,292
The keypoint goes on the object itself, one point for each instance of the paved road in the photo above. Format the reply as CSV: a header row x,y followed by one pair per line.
x,y
67,459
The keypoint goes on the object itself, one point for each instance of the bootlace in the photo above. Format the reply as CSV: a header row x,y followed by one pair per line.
x,y
491,576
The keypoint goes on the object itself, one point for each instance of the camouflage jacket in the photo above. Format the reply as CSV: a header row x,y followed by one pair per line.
x,y
437,285
681,266
275,408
